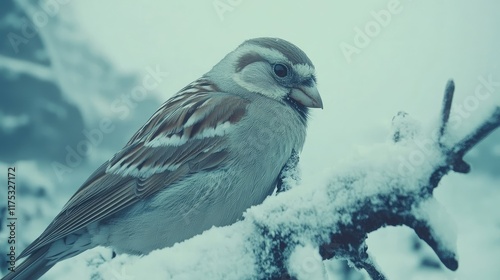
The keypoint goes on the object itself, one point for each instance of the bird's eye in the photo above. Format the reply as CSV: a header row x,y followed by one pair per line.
x,y
280,70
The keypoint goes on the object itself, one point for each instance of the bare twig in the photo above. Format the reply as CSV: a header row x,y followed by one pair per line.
x,y
446,107
492,123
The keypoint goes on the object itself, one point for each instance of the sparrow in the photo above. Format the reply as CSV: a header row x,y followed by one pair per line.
x,y
206,155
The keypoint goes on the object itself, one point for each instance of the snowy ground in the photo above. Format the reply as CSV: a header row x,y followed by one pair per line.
x,y
372,60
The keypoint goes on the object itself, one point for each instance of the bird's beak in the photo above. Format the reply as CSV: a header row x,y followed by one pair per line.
x,y
307,96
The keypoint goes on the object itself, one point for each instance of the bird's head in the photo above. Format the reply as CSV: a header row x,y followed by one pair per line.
x,y
276,69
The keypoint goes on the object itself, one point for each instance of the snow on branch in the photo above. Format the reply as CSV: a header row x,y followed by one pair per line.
x,y
289,235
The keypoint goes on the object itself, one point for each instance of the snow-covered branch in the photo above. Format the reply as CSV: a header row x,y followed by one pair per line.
x,y
290,234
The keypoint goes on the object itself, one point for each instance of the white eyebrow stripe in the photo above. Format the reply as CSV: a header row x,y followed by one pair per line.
x,y
266,53
304,70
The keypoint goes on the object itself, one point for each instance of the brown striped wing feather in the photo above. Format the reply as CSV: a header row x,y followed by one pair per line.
x,y
184,136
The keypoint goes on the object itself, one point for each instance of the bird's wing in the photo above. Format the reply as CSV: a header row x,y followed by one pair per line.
x,y
185,135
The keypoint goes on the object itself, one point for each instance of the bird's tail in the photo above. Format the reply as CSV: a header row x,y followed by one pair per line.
x,y
43,258
33,267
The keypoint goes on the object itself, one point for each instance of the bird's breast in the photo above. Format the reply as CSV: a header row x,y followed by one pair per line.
x,y
258,147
